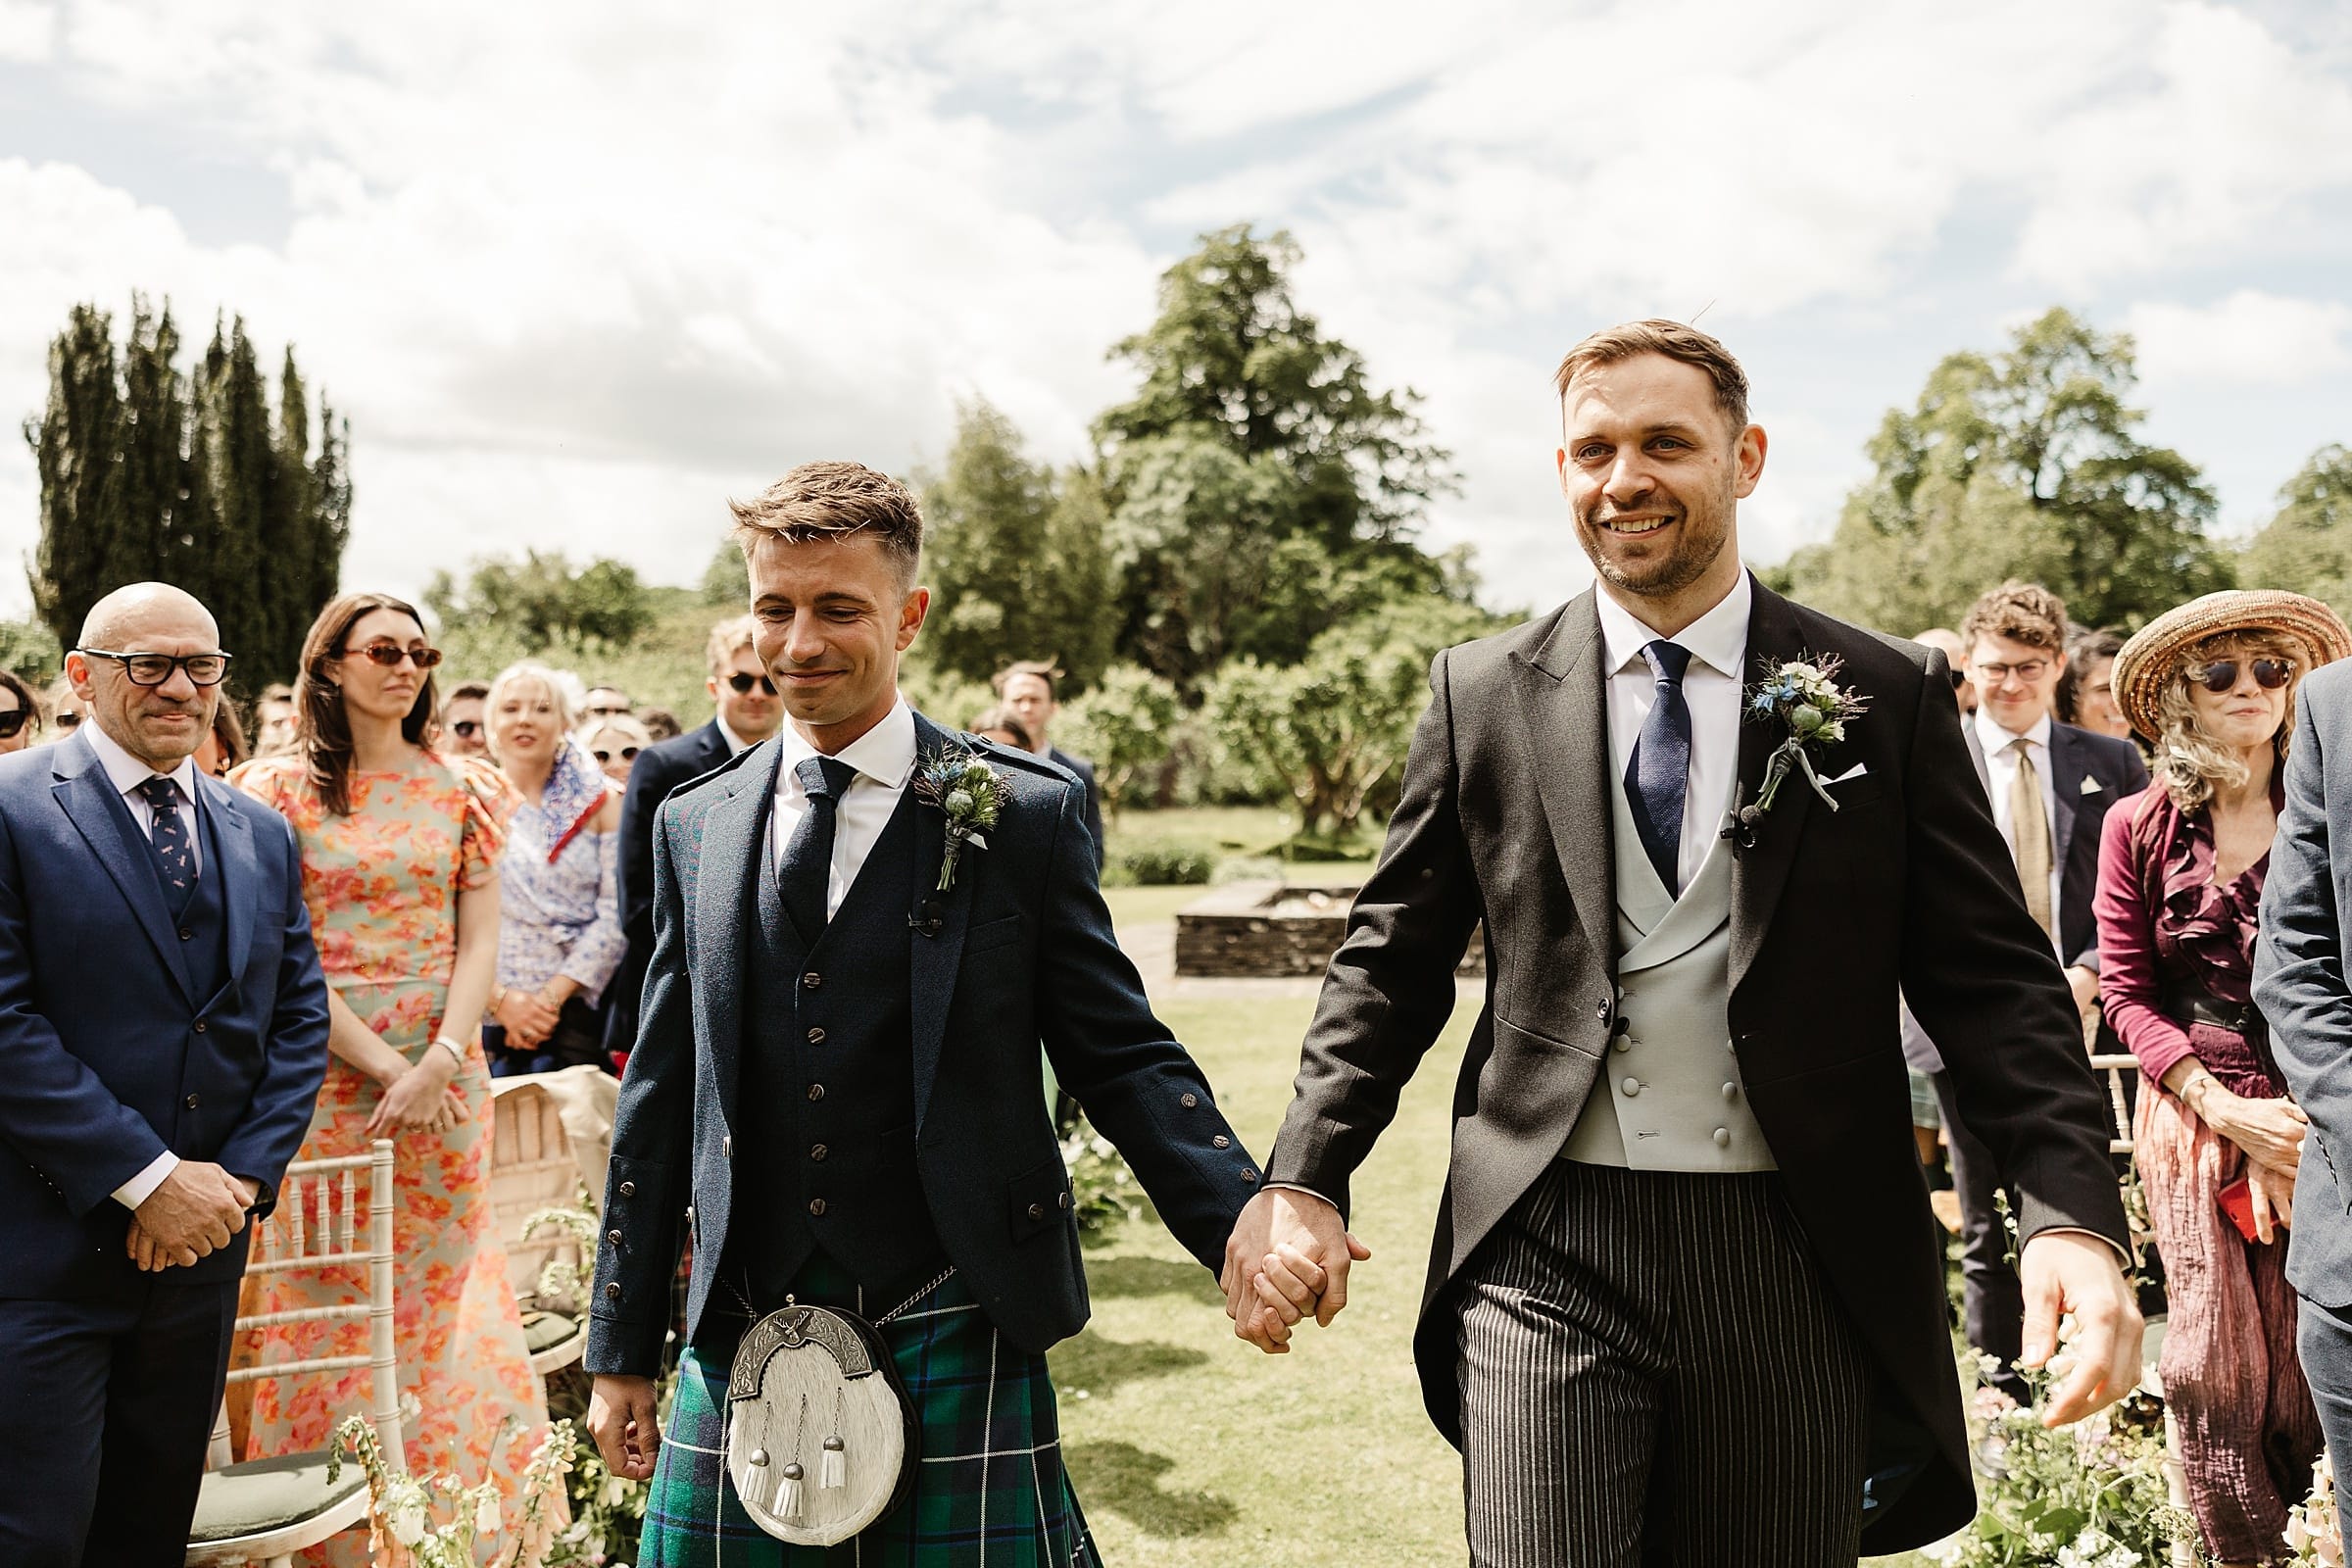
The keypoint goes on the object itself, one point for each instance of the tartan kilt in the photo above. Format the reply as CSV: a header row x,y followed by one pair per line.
x,y
989,1490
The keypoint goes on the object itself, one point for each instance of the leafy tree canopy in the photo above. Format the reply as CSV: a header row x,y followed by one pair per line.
x,y
2307,547
546,602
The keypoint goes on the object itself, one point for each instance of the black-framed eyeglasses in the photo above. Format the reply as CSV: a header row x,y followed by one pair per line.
x,y
12,722
2029,671
2220,675
467,728
153,669
389,655
629,754
744,683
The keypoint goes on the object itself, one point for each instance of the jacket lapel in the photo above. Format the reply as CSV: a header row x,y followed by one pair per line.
x,y
938,921
2066,785
89,800
239,871
1563,697
1769,850
728,891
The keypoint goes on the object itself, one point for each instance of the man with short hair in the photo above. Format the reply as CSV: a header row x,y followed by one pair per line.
x,y
840,1096
162,1037
1686,1300
1031,689
464,732
605,702
748,712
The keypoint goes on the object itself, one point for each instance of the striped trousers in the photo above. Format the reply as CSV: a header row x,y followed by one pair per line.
x,y
1652,1372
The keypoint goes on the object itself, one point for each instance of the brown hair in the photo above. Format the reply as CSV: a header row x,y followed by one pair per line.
x,y
1687,344
2022,611
1001,718
229,733
821,501
322,729
35,710
1044,670
727,639
2192,765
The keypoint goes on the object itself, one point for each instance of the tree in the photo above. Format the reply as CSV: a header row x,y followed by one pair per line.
x,y
2307,546
1259,488
1017,557
1124,726
149,473
601,606
2025,464
728,580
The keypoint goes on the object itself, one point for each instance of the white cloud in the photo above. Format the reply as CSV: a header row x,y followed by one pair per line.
x,y
28,30
2248,339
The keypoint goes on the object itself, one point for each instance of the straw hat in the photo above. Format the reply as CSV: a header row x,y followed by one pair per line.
x,y
2150,659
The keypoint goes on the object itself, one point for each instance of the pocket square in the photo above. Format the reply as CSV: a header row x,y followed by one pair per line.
x,y
2092,786
1853,772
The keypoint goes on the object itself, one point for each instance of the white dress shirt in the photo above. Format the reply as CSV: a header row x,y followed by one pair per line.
x,y
884,757
736,743
127,773
2000,765
1718,646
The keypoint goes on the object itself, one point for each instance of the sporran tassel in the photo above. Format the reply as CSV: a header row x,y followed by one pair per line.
x,y
833,1473
788,1494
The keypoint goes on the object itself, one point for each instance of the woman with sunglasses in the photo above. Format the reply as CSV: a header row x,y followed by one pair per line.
x,y
400,851
20,714
559,939
616,742
2211,687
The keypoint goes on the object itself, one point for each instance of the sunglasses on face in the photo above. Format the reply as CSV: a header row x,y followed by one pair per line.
x,y
744,683
12,722
629,754
389,655
2218,676
1959,678
69,719
467,728
153,669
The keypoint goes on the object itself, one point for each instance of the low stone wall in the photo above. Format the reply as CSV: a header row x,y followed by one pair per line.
x,y
1260,930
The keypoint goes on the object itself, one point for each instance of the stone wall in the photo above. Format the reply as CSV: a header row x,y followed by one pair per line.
x,y
1238,931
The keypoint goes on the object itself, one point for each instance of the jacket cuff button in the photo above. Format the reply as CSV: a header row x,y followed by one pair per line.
x,y
629,1188
612,1291
1037,1211
1220,1141
1190,1102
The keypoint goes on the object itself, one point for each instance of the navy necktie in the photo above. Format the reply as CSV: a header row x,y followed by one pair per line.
x,y
806,874
175,847
1659,775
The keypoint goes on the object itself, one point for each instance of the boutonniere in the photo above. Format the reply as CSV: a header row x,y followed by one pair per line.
x,y
970,793
1813,710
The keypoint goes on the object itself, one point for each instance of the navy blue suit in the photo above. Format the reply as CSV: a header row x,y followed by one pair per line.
x,y
123,1033
1020,951
658,770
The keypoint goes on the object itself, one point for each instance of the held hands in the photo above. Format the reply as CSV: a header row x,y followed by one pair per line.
x,y
2269,1131
528,1016
622,1420
1288,1258
191,1215
2069,1272
418,1098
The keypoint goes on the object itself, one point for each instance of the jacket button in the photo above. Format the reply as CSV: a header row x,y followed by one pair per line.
x,y
192,1101
1249,1175
1037,1211
1220,1141
1190,1102
187,935
816,1091
614,1237
816,1037
1600,1009
813,980
816,1208
727,1144
1625,1041
629,1188
1632,1086
688,1213
612,1291
1731,1092
1062,1201
1723,1138
819,1152
200,1026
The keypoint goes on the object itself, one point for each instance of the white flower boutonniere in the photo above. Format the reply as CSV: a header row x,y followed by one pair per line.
x,y
1803,697
970,793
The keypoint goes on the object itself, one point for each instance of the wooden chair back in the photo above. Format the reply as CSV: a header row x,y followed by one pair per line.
x,y
532,1166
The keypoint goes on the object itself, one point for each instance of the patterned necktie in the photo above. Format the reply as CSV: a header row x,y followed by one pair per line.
x,y
806,874
175,849
1659,776
2031,830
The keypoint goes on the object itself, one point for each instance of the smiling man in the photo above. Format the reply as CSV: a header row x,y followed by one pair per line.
x,y
1685,1299
837,1089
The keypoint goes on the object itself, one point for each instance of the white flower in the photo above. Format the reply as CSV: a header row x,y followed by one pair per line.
x,y
615,1489
485,1514
408,1519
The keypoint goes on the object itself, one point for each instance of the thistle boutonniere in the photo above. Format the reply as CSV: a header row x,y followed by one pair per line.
x,y
1804,698
970,792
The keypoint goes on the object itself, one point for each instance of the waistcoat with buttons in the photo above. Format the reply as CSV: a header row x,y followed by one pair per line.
x,y
825,1151
1674,1099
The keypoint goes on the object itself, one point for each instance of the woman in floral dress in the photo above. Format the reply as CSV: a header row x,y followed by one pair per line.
x,y
399,849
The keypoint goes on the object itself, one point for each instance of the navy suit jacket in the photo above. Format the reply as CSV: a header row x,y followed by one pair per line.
x,y
107,1055
1023,953
2299,979
1084,771
659,770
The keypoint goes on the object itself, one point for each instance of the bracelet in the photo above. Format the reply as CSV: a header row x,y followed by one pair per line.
x,y
456,1053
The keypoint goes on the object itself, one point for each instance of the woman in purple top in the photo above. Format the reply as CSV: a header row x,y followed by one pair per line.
x,y
2211,686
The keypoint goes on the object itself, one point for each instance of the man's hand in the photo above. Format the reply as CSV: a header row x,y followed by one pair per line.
x,y
621,1419
2071,1273
191,1215
2274,1201
1288,1257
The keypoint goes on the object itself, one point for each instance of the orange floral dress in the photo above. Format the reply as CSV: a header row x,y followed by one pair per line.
x,y
383,885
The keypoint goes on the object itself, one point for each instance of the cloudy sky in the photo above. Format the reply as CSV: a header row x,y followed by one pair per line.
x,y
576,272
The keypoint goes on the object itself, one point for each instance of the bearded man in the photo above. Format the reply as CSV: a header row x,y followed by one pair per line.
x,y
1686,1300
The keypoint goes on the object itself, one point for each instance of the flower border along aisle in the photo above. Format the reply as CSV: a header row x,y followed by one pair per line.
x,y
401,1532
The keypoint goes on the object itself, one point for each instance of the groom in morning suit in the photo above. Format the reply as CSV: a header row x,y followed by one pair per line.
x,y
837,1089
163,1035
1686,1300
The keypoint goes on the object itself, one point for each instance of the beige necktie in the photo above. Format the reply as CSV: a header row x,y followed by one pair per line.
x,y
2032,831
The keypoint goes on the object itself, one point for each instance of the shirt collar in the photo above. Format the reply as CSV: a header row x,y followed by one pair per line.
x,y
736,743
1717,639
1996,739
126,772
884,754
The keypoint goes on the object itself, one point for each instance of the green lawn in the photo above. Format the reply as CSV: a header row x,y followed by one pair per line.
x,y
1188,1446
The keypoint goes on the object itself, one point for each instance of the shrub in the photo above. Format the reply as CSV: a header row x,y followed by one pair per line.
x,y
1160,866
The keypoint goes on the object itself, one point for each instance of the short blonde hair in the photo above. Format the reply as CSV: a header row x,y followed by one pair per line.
x,y
563,688
620,724
2192,765
727,639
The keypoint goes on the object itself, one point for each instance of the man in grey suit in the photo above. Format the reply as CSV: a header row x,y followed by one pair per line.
x,y
1686,1297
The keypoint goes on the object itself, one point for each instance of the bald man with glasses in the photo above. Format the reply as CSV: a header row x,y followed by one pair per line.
x,y
163,1035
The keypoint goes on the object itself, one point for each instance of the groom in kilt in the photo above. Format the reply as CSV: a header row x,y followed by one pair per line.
x,y
837,1089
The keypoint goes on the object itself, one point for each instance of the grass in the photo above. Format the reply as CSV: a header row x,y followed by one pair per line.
x,y
1190,1448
